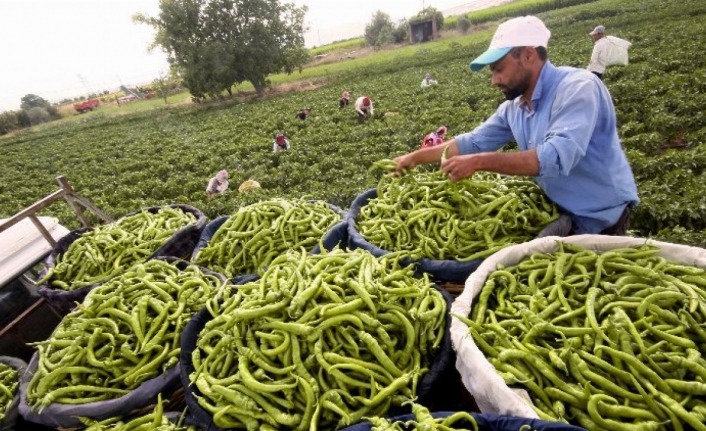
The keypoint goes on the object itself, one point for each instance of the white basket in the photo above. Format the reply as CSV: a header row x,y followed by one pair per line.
x,y
480,378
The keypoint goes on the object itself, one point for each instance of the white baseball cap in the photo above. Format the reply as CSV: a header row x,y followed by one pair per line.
x,y
600,29
520,31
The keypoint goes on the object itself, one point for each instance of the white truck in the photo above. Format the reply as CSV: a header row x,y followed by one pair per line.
x,y
25,240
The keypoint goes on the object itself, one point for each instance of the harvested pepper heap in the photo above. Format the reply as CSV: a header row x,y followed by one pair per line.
x,y
319,341
154,421
256,234
9,383
426,215
108,250
125,332
606,341
424,421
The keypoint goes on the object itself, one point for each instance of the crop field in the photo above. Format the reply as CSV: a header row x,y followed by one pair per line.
x,y
167,155
515,8
344,44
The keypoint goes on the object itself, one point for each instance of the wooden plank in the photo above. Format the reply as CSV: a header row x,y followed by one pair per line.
x,y
453,289
45,233
32,209
88,204
23,315
69,197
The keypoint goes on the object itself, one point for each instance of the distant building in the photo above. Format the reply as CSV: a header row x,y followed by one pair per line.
x,y
423,31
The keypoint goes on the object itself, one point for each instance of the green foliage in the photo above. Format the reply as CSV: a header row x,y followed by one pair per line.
x,y
215,44
38,110
164,85
30,101
379,31
357,42
401,32
167,155
38,115
8,122
463,24
521,7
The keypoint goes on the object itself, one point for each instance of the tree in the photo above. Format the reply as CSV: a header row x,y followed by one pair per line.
x,y
401,32
30,101
8,122
33,101
163,85
463,24
379,31
38,115
215,44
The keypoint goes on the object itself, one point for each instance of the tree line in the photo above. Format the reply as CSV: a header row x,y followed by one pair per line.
x,y
33,110
213,45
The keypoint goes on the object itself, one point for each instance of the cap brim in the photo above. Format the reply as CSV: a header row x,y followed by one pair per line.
x,y
488,57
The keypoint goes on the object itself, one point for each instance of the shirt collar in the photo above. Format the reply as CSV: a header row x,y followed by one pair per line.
x,y
545,76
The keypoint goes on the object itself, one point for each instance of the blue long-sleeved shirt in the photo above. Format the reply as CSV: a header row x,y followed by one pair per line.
x,y
582,166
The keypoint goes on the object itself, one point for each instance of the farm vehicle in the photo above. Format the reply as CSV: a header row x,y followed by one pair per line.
x,y
87,105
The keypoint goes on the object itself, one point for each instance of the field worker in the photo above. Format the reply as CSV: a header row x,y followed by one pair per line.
x,y
435,138
218,184
563,121
427,81
303,114
599,56
345,98
363,105
280,144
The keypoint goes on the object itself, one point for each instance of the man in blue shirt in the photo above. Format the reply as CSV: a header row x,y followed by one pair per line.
x,y
563,121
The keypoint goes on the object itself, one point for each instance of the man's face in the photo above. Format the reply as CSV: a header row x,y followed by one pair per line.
x,y
597,36
511,75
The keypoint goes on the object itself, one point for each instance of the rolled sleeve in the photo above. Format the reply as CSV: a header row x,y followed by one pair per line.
x,y
489,136
549,161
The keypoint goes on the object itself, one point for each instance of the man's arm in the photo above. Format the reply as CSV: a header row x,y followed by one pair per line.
x,y
372,110
524,163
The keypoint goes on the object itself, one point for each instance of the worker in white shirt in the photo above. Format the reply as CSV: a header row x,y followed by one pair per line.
x,y
281,143
363,105
217,184
599,57
428,82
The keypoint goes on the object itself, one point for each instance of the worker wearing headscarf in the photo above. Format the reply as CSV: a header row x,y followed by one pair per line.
x,y
363,104
428,82
281,143
218,184
435,138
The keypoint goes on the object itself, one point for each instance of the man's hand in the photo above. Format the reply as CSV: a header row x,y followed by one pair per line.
x,y
405,162
460,167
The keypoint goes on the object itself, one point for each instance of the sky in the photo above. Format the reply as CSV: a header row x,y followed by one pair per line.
x,y
66,48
